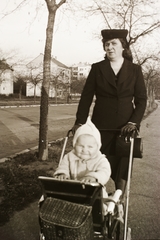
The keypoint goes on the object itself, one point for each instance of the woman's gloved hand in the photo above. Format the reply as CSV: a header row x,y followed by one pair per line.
x,y
129,130
75,127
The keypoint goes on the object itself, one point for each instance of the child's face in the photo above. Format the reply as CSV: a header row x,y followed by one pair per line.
x,y
86,147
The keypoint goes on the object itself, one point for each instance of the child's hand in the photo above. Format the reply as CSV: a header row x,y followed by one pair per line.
x,y
88,179
62,177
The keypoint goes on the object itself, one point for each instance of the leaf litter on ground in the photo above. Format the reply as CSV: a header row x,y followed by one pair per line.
x,y
19,185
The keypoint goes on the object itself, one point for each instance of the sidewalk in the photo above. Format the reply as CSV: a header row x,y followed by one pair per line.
x,y
144,205
144,209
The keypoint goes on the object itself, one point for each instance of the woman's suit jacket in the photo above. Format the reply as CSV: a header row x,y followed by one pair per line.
x,y
115,104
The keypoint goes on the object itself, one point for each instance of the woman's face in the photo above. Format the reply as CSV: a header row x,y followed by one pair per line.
x,y
86,147
113,48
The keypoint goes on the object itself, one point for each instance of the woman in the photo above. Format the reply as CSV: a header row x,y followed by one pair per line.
x,y
120,93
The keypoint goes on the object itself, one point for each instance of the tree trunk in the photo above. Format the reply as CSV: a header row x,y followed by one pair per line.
x,y
43,130
56,94
34,93
20,92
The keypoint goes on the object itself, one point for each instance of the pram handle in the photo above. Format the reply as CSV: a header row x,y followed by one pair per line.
x,y
64,145
110,130
95,184
133,133
69,132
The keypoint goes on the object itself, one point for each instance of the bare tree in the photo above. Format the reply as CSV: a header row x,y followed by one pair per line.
x,y
34,78
131,14
77,85
52,7
20,79
152,81
142,21
59,83
35,81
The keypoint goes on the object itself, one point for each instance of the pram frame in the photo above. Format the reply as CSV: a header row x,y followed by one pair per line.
x,y
91,195
110,227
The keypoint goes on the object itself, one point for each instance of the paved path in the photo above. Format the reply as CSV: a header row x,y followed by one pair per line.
x,y
144,207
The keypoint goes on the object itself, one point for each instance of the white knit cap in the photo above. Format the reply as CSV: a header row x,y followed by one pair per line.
x,y
88,128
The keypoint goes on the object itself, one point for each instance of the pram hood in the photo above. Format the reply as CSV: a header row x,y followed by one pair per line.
x,y
88,128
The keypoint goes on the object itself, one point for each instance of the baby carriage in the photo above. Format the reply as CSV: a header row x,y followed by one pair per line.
x,y
72,210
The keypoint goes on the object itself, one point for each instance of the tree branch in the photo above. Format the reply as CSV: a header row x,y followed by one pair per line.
x,y
145,32
52,6
17,7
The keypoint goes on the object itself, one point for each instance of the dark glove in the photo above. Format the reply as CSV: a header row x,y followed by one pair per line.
x,y
75,127
129,130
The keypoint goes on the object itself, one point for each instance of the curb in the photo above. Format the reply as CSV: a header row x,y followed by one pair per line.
x,y
38,105
2,160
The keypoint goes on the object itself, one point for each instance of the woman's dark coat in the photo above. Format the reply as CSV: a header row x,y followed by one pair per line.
x,y
116,103
119,99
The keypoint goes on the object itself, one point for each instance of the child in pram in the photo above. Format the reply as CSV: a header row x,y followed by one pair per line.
x,y
85,162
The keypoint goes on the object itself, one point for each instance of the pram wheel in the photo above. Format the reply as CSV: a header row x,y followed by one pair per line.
x,y
113,226
129,234
41,236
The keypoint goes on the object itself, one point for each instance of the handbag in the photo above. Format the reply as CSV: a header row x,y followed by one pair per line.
x,y
123,147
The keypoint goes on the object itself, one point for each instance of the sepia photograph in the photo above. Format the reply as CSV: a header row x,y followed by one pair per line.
x,y
79,120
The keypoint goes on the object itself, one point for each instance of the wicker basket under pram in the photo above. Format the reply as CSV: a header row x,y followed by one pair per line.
x,y
65,220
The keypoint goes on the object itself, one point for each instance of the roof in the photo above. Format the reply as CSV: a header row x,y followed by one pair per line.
x,y
39,59
59,63
80,64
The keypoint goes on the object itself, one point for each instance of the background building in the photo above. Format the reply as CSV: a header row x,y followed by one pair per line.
x,y
80,70
6,78
60,78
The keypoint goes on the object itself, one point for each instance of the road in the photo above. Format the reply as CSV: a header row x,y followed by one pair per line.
x,y
19,126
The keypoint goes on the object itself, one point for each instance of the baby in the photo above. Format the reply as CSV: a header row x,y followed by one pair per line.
x,y
85,162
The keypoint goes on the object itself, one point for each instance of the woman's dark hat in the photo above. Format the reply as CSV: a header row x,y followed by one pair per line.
x,y
114,33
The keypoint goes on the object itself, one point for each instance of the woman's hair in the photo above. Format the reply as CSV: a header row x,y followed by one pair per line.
x,y
126,52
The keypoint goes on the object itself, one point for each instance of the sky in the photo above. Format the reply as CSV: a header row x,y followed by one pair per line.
x,y
73,40
23,33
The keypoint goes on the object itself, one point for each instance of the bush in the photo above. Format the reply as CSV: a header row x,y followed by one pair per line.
x,y
19,185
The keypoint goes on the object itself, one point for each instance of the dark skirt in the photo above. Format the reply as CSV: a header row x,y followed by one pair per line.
x,y
119,165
